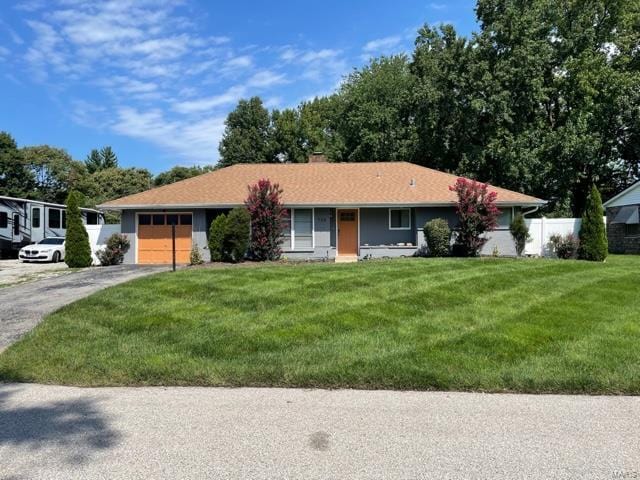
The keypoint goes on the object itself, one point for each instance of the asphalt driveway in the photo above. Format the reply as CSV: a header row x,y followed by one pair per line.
x,y
23,306
112,433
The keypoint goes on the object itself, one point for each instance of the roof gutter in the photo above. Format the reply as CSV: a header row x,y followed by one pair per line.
x,y
536,205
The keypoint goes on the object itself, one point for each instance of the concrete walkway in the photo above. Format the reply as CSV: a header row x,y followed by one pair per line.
x,y
23,306
116,433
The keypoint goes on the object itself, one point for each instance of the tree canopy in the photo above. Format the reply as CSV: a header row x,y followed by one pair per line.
x,y
544,99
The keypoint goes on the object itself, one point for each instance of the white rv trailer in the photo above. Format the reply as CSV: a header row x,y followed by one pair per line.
x,y
24,221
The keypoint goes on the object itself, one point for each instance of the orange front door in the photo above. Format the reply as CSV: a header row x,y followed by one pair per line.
x,y
155,244
347,232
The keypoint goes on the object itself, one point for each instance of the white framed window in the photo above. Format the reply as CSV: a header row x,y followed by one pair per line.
x,y
298,233
399,219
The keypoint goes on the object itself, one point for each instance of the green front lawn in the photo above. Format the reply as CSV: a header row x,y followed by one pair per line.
x,y
447,324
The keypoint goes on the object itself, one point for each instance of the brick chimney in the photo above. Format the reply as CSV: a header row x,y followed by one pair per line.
x,y
317,157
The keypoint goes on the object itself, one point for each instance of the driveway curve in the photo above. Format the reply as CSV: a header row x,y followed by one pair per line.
x,y
23,306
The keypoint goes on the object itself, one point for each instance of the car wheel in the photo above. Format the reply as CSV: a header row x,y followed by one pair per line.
x,y
56,257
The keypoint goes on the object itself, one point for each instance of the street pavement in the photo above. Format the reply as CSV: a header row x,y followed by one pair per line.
x,y
53,432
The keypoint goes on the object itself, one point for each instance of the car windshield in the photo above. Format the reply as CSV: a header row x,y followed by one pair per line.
x,y
51,241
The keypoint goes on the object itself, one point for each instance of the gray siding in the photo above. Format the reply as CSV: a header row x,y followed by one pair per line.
x,y
374,228
424,214
500,238
128,227
199,233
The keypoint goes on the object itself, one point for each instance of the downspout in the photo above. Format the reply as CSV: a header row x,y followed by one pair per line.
x,y
533,210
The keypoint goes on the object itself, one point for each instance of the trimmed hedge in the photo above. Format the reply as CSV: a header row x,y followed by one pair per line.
x,y
438,236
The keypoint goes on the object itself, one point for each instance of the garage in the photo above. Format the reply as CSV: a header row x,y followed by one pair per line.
x,y
154,237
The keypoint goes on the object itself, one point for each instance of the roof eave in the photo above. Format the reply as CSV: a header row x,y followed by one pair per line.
x,y
528,203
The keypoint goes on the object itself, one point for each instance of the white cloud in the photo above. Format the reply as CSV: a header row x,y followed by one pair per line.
x,y
147,64
438,6
30,5
4,52
266,78
318,65
196,141
243,61
382,44
324,54
232,95
15,38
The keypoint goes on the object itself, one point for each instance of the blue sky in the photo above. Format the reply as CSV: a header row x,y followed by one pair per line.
x,y
155,79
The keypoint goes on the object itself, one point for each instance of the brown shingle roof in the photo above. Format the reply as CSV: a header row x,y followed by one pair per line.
x,y
318,184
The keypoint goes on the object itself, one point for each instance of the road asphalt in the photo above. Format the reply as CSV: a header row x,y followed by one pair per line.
x,y
67,433
24,305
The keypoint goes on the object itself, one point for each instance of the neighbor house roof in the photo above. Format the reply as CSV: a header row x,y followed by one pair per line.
x,y
628,196
314,184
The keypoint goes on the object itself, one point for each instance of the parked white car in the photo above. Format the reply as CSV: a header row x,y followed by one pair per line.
x,y
49,249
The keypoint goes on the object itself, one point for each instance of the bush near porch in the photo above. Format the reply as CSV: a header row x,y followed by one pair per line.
x,y
479,324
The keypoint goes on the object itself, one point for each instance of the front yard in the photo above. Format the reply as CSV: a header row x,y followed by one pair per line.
x,y
447,324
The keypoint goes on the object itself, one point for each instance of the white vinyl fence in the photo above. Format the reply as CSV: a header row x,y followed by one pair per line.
x,y
98,235
541,230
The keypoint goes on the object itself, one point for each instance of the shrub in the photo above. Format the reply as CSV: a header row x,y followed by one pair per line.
x,y
195,257
77,248
236,239
438,236
520,233
267,220
565,247
593,238
477,214
116,248
217,232
229,236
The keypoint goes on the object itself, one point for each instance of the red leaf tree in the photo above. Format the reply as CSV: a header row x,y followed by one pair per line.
x,y
268,217
477,214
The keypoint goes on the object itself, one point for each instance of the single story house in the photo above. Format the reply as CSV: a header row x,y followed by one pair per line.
x,y
341,211
623,221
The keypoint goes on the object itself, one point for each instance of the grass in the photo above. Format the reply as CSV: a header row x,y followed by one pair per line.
x,y
446,324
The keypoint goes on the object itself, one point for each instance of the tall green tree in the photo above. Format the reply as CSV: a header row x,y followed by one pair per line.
x,y
178,173
318,127
569,75
377,111
118,182
101,159
16,179
109,158
288,140
77,247
247,136
93,161
593,237
56,173
447,121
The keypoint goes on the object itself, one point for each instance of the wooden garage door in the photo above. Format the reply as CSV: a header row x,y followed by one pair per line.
x,y
154,237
